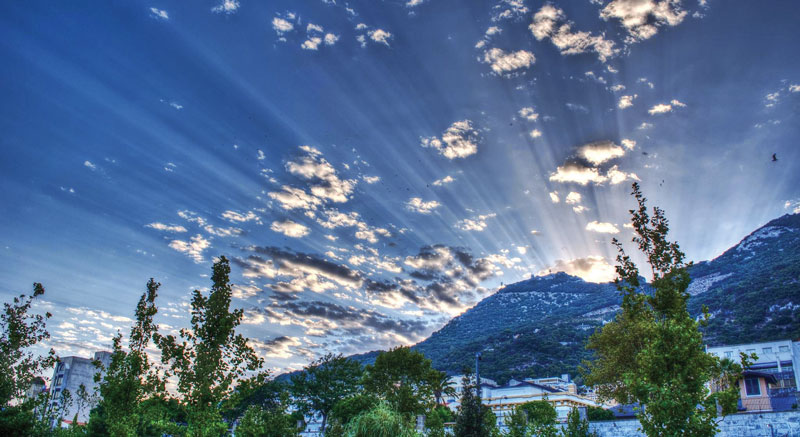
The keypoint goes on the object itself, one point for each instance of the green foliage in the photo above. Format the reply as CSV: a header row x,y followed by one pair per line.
x,y
345,410
324,383
262,422
576,427
435,420
210,356
471,417
19,331
129,378
653,352
405,379
539,413
380,421
597,414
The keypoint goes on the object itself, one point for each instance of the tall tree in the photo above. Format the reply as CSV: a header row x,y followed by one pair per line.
x,y
653,352
404,377
130,377
211,356
441,386
19,332
325,382
471,417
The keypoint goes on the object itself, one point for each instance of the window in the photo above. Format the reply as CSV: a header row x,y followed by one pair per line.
x,y
752,387
59,380
783,349
766,350
728,354
751,351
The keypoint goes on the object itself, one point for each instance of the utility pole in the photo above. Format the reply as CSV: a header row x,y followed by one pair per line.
x,y
477,375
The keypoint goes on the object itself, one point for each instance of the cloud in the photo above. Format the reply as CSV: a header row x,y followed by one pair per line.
x,y
590,269
371,179
412,3
573,198
325,182
642,18
794,88
313,28
536,133
167,228
416,204
509,10
502,62
582,175
159,14
227,7
307,269
335,219
550,22
281,25
600,151
602,228
443,181
626,101
493,30
290,228
628,144
528,113
330,39
554,197
579,209
793,205
193,248
662,108
477,223
380,36
311,43
618,87
458,141
89,165
238,217
295,198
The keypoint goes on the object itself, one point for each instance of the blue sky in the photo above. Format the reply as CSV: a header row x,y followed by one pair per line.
x,y
373,168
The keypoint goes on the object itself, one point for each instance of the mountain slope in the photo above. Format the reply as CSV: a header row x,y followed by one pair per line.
x,y
539,327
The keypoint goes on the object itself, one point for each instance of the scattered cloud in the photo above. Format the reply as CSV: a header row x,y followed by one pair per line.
x,y
600,151
618,87
167,228
226,7
443,181
238,217
645,125
590,269
416,204
554,197
330,39
380,36
290,228
89,165
281,25
159,14
662,108
371,179
550,22
536,133
626,101
477,223
794,88
602,228
311,43
503,63
573,198
311,27
793,205
528,113
642,18
582,175
628,144
458,141
193,248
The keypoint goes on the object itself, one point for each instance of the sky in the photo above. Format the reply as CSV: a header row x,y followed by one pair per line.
x,y
374,168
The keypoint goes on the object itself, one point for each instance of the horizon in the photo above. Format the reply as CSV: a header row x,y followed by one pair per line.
x,y
374,169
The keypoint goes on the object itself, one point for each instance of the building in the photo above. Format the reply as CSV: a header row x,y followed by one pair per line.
x,y
69,374
561,392
37,387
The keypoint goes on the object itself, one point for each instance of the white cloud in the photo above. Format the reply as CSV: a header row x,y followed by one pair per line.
x,y
600,152
237,217
628,144
616,176
554,197
311,43
602,228
380,36
295,198
581,175
536,133
590,268
579,209
794,205
458,141
89,165
325,184
573,198
166,228
641,18
493,30
626,101
193,248
416,204
794,88
330,39
159,13
550,22
618,87
281,26
477,223
535,232
371,179
313,28
260,155
412,3
290,228
522,250
645,125
662,108
528,113
502,62
443,181
170,167
227,7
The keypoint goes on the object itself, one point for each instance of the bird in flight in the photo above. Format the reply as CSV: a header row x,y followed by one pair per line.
x,y
774,158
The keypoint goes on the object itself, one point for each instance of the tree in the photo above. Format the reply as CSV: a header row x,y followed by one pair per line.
x,y
210,357
19,331
325,382
435,420
653,352
576,427
404,378
129,378
348,408
380,421
595,414
441,386
263,422
471,416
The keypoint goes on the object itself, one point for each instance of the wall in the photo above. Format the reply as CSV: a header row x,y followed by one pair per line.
x,y
781,424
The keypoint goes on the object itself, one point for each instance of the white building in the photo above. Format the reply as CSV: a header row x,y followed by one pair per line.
x,y
777,357
70,373
502,399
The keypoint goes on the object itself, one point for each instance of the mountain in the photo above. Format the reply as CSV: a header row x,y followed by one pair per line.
x,y
539,327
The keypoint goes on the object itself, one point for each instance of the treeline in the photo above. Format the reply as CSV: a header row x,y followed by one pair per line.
x,y
220,386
